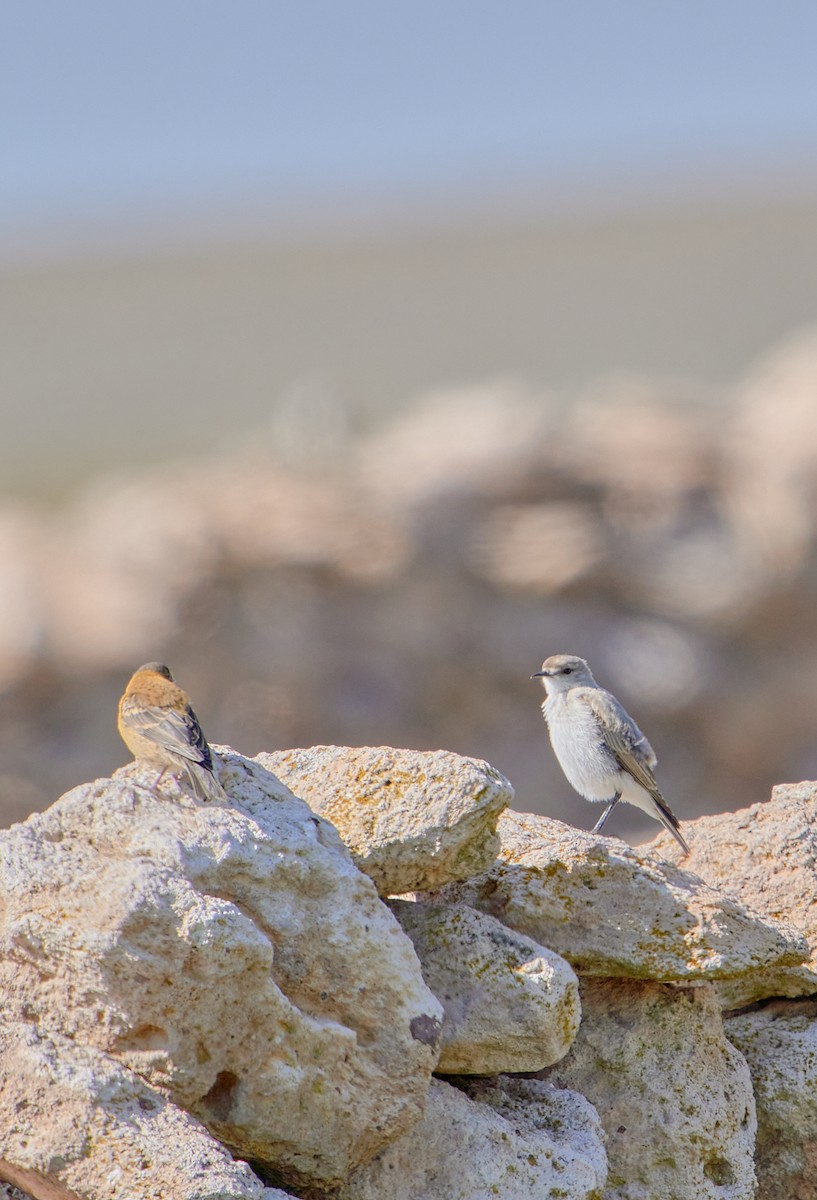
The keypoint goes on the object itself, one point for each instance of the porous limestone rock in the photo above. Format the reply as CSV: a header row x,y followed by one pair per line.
x,y
74,1122
779,1042
765,857
510,1005
232,955
413,820
674,1096
612,910
9,1192
507,1139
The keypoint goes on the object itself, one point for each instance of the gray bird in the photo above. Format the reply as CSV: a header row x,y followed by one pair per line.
x,y
601,750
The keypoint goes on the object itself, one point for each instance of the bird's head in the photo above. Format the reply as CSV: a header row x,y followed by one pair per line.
x,y
157,668
561,672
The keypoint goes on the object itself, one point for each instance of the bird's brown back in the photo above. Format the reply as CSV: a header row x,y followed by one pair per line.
x,y
156,691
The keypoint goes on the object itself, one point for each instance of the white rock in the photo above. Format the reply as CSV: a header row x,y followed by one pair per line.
x,y
510,1005
105,597
764,856
413,820
771,458
612,910
538,547
231,955
779,1042
74,1122
459,439
674,1096
9,1192
621,425
517,1139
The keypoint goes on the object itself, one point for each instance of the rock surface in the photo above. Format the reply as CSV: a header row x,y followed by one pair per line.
x,y
184,983
9,1192
513,1139
779,1042
232,955
611,910
674,1096
510,1005
74,1122
765,857
413,820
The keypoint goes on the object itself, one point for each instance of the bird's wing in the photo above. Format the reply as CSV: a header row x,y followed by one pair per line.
x,y
622,737
632,752
176,730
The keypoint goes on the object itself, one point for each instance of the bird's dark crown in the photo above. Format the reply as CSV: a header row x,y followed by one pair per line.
x,y
158,668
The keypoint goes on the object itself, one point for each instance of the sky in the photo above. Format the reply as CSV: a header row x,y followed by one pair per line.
x,y
114,114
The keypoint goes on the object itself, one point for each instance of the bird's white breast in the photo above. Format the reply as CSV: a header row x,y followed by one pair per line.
x,y
578,745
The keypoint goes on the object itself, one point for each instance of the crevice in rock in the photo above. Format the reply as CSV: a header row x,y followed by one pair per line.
x,y
218,1102
778,1006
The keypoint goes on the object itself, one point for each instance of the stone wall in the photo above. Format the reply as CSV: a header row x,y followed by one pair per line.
x,y
368,978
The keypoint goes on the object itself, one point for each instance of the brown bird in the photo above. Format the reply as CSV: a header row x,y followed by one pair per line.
x,y
159,727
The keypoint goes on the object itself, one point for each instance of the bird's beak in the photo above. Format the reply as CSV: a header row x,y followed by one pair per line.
x,y
539,674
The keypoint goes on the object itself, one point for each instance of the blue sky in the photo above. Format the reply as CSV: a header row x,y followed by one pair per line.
x,y
114,112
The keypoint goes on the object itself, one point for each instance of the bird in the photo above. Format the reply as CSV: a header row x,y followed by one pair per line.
x,y
157,724
598,745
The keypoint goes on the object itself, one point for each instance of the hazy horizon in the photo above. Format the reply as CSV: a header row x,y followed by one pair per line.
x,y
208,211
111,359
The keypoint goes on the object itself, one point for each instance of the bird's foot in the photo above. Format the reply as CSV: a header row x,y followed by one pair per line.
x,y
598,825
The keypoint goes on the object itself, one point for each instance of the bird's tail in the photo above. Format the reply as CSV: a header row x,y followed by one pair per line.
x,y
668,819
203,783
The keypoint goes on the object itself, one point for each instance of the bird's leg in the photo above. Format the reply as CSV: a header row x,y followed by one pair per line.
x,y
606,813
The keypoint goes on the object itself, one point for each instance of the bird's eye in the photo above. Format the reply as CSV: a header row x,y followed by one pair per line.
x,y
567,670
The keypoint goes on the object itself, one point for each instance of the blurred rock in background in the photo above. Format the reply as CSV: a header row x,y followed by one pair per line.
x,y
399,584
